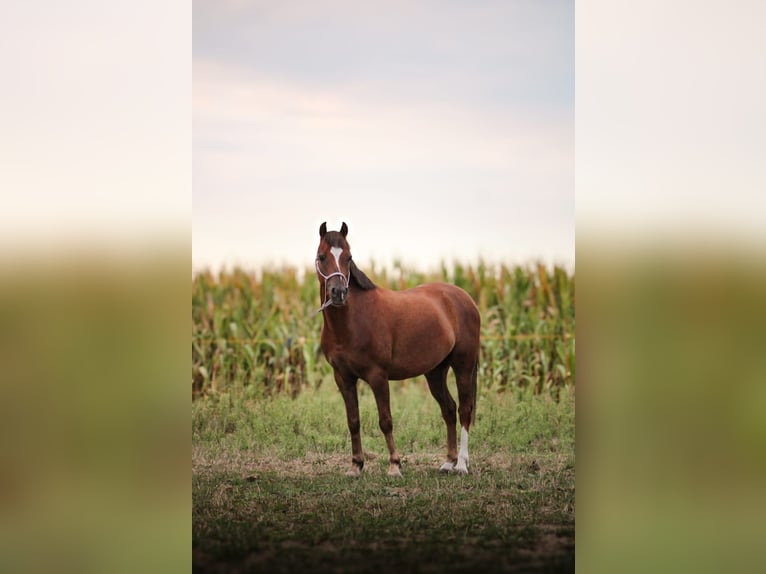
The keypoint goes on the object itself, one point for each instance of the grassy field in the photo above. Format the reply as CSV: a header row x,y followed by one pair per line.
x,y
271,445
269,493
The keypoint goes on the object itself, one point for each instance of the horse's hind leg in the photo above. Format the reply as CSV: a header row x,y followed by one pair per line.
x,y
437,384
465,375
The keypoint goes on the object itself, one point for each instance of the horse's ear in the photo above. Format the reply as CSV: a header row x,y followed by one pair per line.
x,y
323,229
344,229
360,278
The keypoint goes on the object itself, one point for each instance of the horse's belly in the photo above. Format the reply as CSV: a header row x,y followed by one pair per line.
x,y
418,358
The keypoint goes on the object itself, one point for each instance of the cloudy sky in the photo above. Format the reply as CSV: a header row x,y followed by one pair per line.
x,y
436,130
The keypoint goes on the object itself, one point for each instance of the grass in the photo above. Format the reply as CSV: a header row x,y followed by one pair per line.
x,y
269,492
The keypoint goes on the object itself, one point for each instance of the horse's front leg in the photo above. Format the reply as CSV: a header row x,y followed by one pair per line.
x,y
379,385
347,387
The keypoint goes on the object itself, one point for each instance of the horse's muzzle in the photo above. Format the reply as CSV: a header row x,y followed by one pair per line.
x,y
338,296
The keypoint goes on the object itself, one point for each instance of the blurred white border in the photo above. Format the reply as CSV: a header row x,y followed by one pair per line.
x,y
95,116
670,121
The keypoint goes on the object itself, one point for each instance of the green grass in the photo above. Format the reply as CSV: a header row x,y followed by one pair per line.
x,y
269,491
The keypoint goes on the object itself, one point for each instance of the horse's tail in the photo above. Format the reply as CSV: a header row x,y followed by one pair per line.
x,y
474,376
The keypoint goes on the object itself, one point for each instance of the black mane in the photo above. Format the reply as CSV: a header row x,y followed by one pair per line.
x,y
359,278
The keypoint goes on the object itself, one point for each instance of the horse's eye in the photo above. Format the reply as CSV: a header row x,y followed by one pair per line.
x,y
321,256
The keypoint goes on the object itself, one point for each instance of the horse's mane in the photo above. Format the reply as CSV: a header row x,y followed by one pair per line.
x,y
359,278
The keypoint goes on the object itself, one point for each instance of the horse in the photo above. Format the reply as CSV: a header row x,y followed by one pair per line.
x,y
376,334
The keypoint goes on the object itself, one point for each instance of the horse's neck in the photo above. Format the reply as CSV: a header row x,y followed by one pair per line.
x,y
337,320
340,321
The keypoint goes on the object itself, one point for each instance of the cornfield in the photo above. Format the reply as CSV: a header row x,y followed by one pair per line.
x,y
259,334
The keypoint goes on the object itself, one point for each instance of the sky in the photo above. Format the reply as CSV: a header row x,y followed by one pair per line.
x,y
94,123
438,131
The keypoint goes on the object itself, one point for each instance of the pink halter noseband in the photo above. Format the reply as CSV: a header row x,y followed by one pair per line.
x,y
328,299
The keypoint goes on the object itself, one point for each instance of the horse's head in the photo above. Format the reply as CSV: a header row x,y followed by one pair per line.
x,y
333,265
335,268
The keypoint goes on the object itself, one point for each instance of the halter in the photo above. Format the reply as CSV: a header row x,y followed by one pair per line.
x,y
328,299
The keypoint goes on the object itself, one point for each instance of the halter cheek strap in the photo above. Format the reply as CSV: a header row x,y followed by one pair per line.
x,y
328,299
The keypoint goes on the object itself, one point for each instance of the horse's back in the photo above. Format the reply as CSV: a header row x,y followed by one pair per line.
x,y
456,300
454,304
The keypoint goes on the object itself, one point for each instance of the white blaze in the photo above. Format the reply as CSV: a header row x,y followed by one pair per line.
x,y
336,251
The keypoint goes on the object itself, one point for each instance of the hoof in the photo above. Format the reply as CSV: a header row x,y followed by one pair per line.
x,y
394,470
462,464
447,467
354,471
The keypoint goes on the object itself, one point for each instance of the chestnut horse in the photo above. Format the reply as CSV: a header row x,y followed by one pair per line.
x,y
376,334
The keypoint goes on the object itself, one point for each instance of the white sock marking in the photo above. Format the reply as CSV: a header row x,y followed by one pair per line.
x,y
462,457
